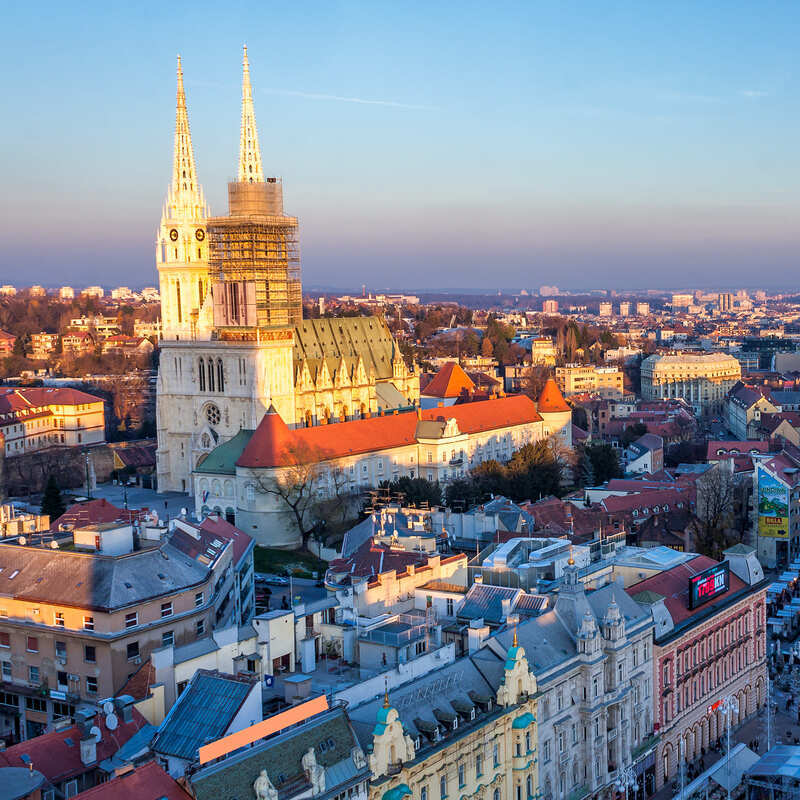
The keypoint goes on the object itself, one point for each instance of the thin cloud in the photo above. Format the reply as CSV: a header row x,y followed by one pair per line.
x,y
754,93
343,99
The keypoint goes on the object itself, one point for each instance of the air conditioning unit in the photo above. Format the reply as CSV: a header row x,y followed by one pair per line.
x,y
137,660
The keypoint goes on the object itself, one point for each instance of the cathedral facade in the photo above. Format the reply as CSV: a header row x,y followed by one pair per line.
x,y
234,342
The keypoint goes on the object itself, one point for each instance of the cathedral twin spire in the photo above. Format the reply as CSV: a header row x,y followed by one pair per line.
x,y
250,170
185,198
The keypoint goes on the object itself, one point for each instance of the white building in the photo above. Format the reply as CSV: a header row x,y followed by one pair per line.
x,y
703,380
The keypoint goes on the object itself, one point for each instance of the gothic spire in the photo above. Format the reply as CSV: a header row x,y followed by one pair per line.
x,y
185,198
250,170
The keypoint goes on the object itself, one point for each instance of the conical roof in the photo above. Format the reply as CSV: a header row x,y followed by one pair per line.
x,y
270,444
551,401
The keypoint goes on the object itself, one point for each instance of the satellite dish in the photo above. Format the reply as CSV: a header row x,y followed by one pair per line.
x,y
97,733
23,541
108,707
112,722
54,545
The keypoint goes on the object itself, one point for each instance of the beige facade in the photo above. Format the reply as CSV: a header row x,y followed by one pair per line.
x,y
486,747
62,653
587,378
703,380
31,419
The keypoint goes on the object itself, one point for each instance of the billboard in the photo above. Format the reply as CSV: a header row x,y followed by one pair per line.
x,y
709,583
773,506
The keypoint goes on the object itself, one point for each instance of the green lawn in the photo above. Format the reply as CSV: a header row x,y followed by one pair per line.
x,y
280,562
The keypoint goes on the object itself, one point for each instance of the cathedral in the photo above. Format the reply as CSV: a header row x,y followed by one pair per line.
x,y
233,341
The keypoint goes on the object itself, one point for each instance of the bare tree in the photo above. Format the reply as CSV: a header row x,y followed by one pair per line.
x,y
533,380
715,521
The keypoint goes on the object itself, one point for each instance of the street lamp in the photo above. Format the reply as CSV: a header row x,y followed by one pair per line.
x,y
729,706
626,780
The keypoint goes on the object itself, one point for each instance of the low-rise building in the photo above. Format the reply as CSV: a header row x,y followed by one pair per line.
x,y
589,379
77,343
127,346
212,705
43,345
318,758
31,419
7,342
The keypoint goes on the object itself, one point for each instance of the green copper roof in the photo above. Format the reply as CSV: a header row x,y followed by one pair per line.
x,y
523,720
397,793
222,459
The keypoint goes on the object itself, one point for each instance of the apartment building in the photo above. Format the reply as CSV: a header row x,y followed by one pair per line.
x,y
591,656
75,625
709,643
589,379
31,419
468,729
703,380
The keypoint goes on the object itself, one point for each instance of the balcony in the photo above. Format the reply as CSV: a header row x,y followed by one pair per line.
x,y
394,767
457,461
611,734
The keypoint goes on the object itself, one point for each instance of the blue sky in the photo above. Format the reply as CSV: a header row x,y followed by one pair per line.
x,y
603,144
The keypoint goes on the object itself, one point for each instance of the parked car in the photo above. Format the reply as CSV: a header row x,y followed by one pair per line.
x,y
263,578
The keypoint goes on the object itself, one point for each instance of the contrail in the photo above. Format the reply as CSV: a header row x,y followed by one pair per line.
x,y
343,99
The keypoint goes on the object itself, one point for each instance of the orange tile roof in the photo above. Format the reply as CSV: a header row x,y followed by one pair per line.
x,y
273,444
551,401
449,381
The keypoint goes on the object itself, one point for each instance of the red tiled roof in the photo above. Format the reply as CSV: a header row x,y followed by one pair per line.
x,y
146,782
449,381
94,512
59,760
647,500
138,685
12,399
673,584
273,444
551,401
728,449
374,559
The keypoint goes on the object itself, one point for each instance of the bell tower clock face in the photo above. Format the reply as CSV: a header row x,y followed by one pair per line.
x,y
173,234
200,234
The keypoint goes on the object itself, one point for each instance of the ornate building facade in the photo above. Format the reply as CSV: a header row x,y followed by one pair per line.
x,y
233,339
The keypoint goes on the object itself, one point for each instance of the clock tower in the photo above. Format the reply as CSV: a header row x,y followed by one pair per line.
x,y
181,244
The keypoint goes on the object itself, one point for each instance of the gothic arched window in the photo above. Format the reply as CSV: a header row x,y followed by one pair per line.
x,y
210,375
201,373
220,376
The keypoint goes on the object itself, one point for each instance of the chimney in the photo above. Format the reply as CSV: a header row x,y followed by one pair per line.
x,y
477,633
506,604
124,704
419,412
88,750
